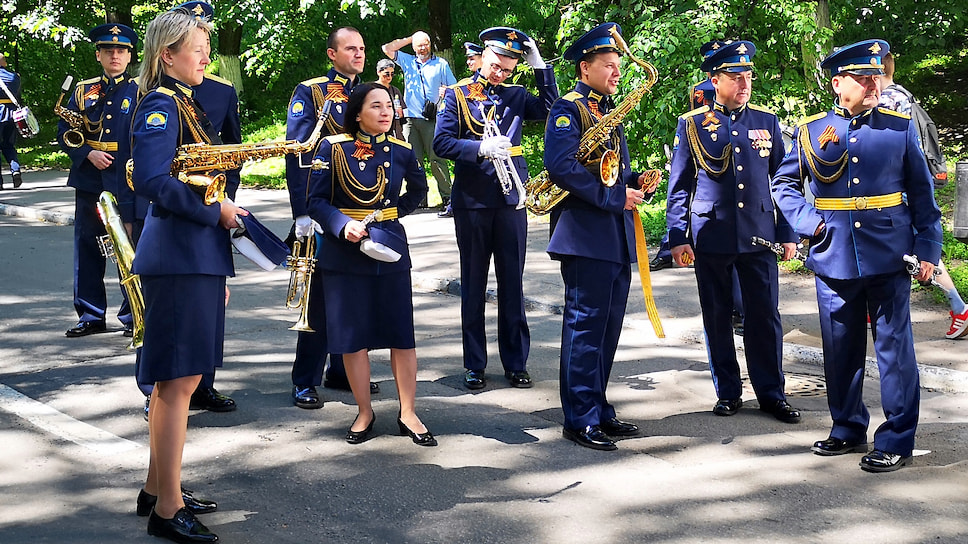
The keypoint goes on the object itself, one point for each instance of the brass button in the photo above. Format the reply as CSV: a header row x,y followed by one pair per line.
x,y
739,167
856,181
853,160
737,149
740,204
108,116
740,186
857,224
107,131
852,140
735,133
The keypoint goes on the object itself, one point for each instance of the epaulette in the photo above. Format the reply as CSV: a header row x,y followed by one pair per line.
x,y
339,138
399,142
572,96
165,91
221,80
889,111
315,81
760,108
697,111
465,81
89,81
136,80
813,118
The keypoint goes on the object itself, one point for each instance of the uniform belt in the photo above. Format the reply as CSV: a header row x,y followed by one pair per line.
x,y
102,146
858,202
515,151
389,214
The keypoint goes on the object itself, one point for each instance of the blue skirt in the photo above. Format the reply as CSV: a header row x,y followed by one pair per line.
x,y
368,312
184,326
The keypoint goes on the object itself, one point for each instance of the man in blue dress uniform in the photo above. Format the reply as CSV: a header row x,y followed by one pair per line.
x,y
98,164
593,237
489,215
8,129
345,49
473,53
860,161
719,199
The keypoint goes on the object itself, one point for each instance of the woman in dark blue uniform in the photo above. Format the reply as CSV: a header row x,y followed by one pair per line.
x,y
183,257
364,258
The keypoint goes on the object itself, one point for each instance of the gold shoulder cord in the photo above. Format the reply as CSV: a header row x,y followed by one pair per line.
x,y
187,112
812,159
91,128
350,185
700,153
473,125
332,127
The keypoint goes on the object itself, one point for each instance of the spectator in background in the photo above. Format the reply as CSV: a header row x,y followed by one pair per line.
x,y
8,129
384,74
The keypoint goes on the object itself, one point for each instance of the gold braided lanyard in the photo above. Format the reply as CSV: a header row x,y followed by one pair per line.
x,y
588,120
331,126
474,126
812,158
352,186
187,113
80,97
701,155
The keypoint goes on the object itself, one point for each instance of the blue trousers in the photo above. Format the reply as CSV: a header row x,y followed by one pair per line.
x,y
481,234
90,298
844,306
758,280
596,293
312,347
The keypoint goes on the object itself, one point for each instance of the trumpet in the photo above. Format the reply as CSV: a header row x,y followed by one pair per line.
x,y
302,262
507,174
116,246
73,138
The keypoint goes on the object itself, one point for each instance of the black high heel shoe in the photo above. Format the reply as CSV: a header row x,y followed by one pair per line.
x,y
358,437
420,439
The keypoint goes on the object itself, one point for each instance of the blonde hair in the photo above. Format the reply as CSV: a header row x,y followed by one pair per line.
x,y
169,30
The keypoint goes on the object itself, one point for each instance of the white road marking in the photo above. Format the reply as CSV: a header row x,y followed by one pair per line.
x,y
62,425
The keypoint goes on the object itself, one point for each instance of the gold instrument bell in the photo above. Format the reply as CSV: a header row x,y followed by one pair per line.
x,y
73,137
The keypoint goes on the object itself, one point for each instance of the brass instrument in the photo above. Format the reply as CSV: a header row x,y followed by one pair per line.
x,y
543,195
74,137
777,248
116,246
507,174
194,162
302,262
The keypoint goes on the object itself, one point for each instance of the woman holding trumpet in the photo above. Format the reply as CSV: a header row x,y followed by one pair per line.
x,y
364,257
183,258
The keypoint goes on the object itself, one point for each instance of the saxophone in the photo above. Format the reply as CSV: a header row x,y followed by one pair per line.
x,y
116,246
194,162
543,195
73,138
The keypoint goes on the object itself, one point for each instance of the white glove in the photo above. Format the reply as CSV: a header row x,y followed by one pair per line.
x,y
532,56
305,226
495,147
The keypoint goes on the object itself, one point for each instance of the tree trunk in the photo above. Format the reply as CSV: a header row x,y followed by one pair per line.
x,y
808,48
118,11
440,34
229,48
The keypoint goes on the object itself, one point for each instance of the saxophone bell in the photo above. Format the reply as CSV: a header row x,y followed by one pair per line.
x,y
73,137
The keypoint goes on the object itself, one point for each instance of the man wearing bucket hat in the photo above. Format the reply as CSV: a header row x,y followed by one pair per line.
x,y
860,160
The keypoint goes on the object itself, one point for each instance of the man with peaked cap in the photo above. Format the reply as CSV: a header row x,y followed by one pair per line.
x,y
8,128
489,216
346,51
860,161
98,164
593,237
221,105
473,53
719,199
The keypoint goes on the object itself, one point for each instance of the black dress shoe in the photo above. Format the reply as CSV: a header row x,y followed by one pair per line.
x,y
84,328
782,410
836,446
184,527
147,402
128,330
306,397
616,427
519,378
343,385
17,180
739,326
474,379
207,398
660,263
591,436
358,437
420,439
194,505
727,407
882,461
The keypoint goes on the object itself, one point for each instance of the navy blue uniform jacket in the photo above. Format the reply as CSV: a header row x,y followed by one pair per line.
x,y
719,186
459,129
328,195
181,233
107,104
592,221
876,153
221,104
304,107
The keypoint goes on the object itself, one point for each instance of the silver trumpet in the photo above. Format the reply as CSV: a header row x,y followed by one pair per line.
x,y
913,265
507,174
777,247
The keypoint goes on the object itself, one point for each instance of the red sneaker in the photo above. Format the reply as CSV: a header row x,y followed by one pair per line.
x,y
959,325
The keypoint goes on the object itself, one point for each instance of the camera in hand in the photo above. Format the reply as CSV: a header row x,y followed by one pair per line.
x,y
429,110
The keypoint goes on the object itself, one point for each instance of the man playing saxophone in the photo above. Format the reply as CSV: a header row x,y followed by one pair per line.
x,y
593,237
105,104
488,217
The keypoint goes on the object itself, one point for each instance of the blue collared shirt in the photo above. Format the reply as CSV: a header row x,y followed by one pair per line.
x,y
422,81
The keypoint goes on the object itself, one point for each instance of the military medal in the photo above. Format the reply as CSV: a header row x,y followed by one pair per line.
x,y
710,124
761,140
475,91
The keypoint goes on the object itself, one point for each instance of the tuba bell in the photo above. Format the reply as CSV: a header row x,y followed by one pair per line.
x,y
302,263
